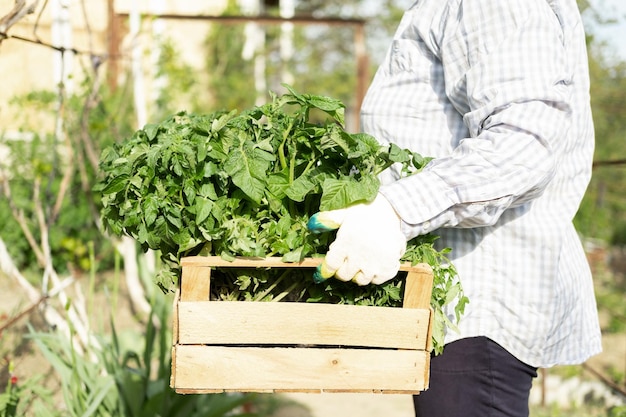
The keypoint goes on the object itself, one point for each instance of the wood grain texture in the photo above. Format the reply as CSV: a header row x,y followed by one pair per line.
x,y
275,262
418,289
240,322
246,369
195,283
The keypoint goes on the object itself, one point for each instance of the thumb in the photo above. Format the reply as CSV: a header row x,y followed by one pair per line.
x,y
325,221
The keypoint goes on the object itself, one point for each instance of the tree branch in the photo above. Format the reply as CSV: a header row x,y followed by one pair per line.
x,y
18,12
80,323
51,316
18,215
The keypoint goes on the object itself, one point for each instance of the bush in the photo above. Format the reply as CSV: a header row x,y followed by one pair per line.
x,y
618,234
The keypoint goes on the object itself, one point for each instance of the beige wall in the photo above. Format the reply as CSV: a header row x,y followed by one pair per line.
x,y
192,7
25,67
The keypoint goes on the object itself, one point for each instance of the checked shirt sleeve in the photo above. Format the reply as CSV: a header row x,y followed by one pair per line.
x,y
505,70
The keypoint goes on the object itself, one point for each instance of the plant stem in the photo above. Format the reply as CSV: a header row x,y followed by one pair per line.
x,y
286,292
281,148
92,278
308,166
260,296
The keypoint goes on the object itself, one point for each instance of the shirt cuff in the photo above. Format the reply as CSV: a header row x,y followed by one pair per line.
x,y
421,200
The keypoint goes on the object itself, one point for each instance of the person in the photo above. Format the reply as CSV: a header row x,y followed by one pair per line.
x,y
498,93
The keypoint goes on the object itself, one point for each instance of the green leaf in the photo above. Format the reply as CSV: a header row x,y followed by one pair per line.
x,y
336,138
278,183
173,216
298,190
218,123
203,208
397,154
333,107
116,184
190,190
151,131
340,193
150,209
247,168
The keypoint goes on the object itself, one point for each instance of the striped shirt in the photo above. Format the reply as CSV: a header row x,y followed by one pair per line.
x,y
498,92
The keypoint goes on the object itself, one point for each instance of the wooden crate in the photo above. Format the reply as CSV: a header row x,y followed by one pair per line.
x,y
224,346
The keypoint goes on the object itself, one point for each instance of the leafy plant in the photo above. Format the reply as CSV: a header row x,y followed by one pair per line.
x,y
9,399
42,169
118,377
447,290
21,395
245,184
619,411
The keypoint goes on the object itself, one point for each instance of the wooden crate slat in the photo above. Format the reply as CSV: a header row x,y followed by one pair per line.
x,y
250,369
271,262
240,322
247,262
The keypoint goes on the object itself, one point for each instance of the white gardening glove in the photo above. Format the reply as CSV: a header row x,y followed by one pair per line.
x,y
368,245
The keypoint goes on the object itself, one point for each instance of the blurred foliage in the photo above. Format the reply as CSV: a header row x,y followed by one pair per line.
x,y
324,60
179,83
603,210
582,411
39,164
618,235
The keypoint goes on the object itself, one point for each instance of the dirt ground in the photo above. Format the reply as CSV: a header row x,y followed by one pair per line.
x,y
364,405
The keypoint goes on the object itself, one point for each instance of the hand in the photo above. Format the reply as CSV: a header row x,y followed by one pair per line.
x,y
368,245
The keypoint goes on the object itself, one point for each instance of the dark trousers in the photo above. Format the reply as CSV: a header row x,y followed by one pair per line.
x,y
476,377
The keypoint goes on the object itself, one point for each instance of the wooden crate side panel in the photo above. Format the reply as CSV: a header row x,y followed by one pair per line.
x,y
175,320
239,322
246,369
429,336
418,288
173,370
195,283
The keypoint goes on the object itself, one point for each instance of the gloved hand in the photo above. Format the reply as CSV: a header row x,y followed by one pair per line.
x,y
368,245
